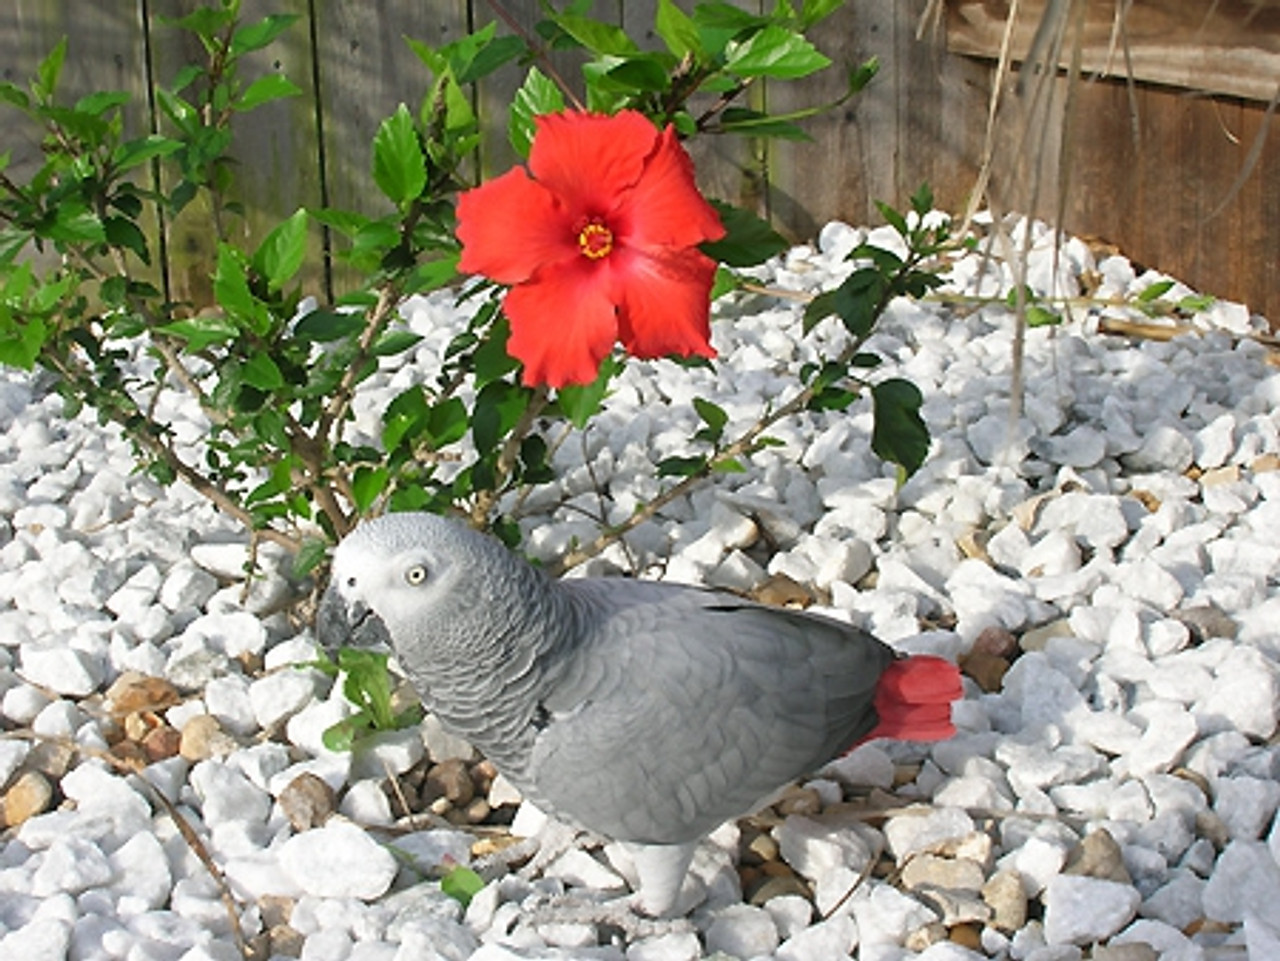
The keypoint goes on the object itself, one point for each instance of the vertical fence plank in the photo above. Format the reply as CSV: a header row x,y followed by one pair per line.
x,y
366,69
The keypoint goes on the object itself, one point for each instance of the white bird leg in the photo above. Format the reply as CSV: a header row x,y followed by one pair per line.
x,y
663,870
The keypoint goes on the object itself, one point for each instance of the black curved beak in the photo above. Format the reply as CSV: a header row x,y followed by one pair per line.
x,y
340,623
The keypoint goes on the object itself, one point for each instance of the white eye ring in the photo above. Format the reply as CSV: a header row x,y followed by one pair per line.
x,y
415,575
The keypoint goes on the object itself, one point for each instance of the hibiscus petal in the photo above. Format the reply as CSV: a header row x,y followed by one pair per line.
x,y
563,324
664,207
510,227
665,301
588,159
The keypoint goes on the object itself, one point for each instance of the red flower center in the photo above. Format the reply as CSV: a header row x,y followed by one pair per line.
x,y
595,240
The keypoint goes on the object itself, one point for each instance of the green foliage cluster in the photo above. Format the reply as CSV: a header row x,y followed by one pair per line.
x,y
276,384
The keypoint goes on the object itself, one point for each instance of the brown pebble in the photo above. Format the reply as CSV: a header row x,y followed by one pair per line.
x,y
286,942
477,811
761,849
1007,899
307,801
1133,951
132,693
161,742
933,871
800,800
1098,855
53,759
449,779
203,738
923,937
275,909
996,641
29,795
1265,463
988,670
767,887
966,935
783,591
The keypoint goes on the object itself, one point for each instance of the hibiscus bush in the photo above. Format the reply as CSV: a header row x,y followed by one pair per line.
x,y
597,250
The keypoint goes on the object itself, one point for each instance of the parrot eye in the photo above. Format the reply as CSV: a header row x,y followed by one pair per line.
x,y
415,575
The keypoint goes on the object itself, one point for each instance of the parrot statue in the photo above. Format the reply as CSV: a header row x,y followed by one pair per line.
x,y
646,712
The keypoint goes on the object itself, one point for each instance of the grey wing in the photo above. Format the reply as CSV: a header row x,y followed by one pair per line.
x,y
688,708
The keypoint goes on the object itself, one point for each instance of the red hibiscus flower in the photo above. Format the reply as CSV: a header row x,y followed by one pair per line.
x,y
599,245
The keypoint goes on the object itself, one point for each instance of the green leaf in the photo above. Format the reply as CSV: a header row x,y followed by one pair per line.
x,y
394,342
893,218
472,62
399,167
136,152
49,70
462,884
123,232
255,36
491,359
343,735
74,224
681,466
447,422
899,434
537,95
202,331
324,326
922,199
598,37
863,74
271,86
231,286
748,240
260,371
1038,316
677,30
98,103
713,416
14,95
311,554
1195,303
580,402
431,275
774,52
498,407
367,484
728,465
20,343
1155,291
403,416
281,253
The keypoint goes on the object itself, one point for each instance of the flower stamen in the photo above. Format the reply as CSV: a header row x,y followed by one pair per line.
x,y
595,240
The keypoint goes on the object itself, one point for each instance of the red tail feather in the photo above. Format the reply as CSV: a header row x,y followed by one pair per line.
x,y
913,699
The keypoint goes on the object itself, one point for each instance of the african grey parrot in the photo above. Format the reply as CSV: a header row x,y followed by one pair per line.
x,y
647,712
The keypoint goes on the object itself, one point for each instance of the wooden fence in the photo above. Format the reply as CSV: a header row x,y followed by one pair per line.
x,y
1176,166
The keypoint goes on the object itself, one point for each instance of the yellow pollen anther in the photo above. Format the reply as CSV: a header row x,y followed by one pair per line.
x,y
595,240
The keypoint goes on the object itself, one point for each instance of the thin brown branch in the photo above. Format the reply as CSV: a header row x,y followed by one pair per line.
x,y
486,499
539,52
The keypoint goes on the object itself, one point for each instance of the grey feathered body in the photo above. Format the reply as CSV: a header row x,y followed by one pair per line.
x,y
644,711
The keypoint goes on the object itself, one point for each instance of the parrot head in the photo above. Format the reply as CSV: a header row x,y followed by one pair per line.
x,y
431,588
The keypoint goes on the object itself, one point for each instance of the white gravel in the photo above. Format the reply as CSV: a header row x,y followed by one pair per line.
x,y
1118,549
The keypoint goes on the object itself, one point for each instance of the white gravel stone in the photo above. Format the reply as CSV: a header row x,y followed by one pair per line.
x,y
338,860
62,669
1085,910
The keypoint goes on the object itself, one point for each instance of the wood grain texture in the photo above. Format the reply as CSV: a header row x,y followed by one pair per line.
x,y
1226,47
